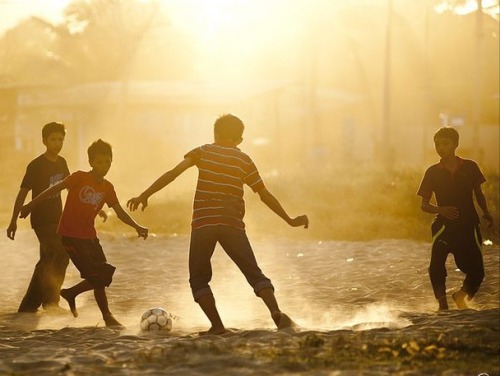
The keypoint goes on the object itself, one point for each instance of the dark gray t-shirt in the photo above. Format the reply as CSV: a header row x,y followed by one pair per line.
x,y
40,175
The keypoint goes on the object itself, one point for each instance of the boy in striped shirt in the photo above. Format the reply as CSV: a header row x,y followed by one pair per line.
x,y
218,212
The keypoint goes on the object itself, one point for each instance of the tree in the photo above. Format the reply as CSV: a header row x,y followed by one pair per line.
x,y
27,54
102,37
99,40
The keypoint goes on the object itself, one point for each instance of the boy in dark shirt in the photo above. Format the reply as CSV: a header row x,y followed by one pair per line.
x,y
456,227
44,171
218,212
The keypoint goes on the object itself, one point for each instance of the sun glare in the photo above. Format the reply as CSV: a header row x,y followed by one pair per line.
x,y
469,6
232,34
212,19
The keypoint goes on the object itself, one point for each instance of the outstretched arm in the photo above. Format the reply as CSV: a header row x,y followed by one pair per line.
x,y
26,209
160,183
449,212
273,204
481,201
18,204
127,219
103,215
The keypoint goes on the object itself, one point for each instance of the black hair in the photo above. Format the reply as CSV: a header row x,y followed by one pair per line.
x,y
53,127
229,127
99,147
448,133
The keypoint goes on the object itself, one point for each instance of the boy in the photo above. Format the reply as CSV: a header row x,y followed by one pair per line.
x,y
44,171
218,212
87,193
456,227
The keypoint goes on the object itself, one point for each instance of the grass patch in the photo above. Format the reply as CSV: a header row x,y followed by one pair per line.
x,y
355,205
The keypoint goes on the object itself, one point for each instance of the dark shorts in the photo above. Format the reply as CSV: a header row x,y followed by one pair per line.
x,y
465,245
88,257
235,243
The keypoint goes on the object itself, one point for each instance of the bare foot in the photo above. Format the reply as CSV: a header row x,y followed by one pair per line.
x,y
282,320
459,298
27,310
214,331
71,301
110,321
443,303
54,309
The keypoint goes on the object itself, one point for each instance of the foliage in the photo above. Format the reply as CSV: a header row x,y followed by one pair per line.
x,y
93,27
99,40
358,204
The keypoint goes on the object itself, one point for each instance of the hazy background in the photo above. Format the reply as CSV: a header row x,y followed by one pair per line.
x,y
340,99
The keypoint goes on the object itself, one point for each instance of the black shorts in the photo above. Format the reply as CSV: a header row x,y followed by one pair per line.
x,y
88,257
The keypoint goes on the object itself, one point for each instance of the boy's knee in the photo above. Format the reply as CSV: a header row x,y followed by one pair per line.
x,y
197,294
101,276
477,278
480,275
262,286
437,270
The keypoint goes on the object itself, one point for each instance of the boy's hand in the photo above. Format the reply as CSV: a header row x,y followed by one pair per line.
x,y
11,231
103,215
488,218
301,220
25,210
142,232
134,203
449,212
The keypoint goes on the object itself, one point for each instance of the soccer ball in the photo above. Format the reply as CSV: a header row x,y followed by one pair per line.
x,y
156,319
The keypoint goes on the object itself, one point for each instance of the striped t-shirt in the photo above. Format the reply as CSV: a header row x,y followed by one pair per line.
x,y
219,192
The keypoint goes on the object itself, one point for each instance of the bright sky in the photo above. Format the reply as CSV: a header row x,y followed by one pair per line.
x,y
211,11
13,11
208,15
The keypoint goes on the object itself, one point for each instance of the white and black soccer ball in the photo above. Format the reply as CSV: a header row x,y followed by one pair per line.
x,y
156,319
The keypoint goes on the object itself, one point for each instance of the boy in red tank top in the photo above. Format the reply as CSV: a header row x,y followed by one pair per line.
x,y
87,194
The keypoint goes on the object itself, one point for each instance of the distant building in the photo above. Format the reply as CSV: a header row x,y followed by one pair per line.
x,y
288,125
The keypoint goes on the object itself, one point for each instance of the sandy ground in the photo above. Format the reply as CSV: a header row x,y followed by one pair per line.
x,y
364,308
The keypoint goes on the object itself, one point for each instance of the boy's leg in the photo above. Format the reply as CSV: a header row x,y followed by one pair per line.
x,y
102,303
70,294
56,260
201,249
207,304
281,320
469,260
459,298
88,257
437,269
33,297
236,244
